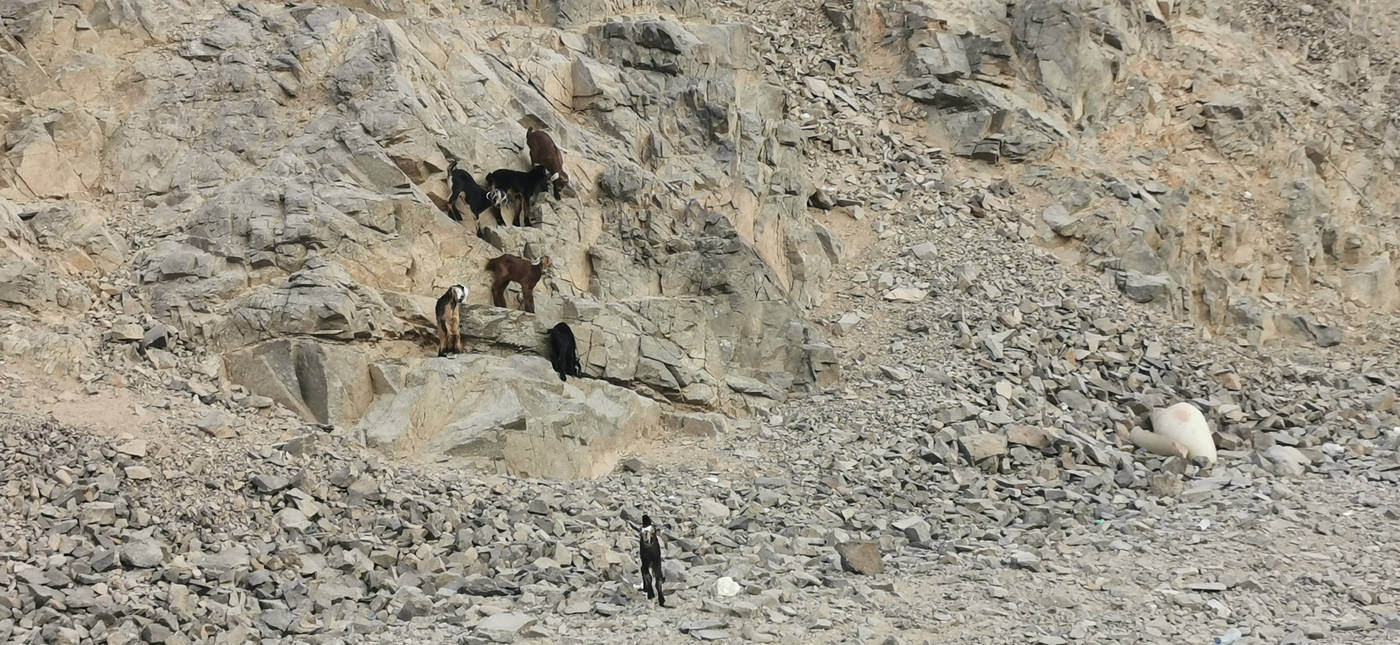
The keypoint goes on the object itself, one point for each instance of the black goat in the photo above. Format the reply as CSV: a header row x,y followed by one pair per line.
x,y
526,184
563,351
462,184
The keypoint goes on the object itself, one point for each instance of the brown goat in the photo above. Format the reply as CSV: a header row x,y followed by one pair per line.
x,y
507,268
543,152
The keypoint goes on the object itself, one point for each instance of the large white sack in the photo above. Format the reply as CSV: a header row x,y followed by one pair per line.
x,y
1186,425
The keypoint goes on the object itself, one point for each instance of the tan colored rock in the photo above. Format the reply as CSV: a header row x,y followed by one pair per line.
x,y
128,332
283,222
319,300
1230,380
217,424
42,170
595,85
321,382
15,236
133,448
905,294
1286,460
861,557
1029,436
1165,484
1373,285
671,345
26,284
509,415
983,445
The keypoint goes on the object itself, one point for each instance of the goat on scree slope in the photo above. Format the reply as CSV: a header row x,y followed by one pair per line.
x,y
563,353
507,268
651,561
525,184
543,152
449,329
463,184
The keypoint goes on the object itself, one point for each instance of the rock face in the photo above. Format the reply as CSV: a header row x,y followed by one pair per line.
x,y
511,415
324,382
296,237
289,220
682,348
1075,50
948,69
1052,84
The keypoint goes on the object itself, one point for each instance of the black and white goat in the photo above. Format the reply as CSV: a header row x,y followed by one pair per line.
x,y
525,184
650,550
478,198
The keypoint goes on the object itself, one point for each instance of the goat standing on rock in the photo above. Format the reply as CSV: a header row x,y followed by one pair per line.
x,y
507,268
505,181
448,322
543,152
563,352
478,199
650,552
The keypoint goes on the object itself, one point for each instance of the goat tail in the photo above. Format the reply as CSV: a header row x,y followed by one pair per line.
x,y
492,263
452,166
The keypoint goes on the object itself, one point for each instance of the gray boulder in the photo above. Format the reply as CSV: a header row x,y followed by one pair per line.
x,y
141,553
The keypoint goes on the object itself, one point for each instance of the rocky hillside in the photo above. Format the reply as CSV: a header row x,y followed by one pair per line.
x,y
871,299
1186,151
266,183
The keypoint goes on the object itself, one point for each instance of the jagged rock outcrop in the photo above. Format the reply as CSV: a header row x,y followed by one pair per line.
x,y
1190,169
274,178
